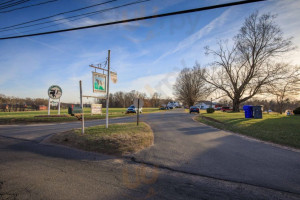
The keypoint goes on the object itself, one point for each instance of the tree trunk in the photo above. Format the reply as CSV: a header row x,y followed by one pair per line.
x,y
236,105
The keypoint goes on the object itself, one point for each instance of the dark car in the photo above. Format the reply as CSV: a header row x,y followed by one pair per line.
x,y
163,108
194,109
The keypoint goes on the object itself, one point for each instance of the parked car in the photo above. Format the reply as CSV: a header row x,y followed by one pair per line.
x,y
163,108
224,109
133,109
194,109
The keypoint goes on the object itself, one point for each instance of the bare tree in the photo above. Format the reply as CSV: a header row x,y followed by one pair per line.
x,y
287,88
243,70
155,99
190,86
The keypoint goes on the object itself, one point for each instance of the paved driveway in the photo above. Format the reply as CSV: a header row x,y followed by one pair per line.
x,y
185,145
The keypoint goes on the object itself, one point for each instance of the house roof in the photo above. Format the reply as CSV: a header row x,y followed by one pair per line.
x,y
206,102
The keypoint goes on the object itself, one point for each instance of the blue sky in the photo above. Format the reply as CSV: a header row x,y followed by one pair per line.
x,y
147,55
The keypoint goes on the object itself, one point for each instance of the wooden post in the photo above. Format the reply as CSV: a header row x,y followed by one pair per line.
x,y
107,92
138,113
81,105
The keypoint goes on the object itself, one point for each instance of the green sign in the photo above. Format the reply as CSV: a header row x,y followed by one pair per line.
x,y
99,82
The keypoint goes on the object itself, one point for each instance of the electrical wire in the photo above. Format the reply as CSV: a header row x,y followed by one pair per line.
x,y
84,15
62,13
6,2
7,11
139,18
13,4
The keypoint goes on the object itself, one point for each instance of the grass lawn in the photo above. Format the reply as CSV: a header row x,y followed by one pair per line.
x,y
118,139
30,116
273,127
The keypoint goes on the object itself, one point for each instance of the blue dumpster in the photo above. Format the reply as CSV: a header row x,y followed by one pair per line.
x,y
248,111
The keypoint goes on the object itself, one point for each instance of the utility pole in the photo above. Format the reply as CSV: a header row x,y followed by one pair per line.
x,y
107,96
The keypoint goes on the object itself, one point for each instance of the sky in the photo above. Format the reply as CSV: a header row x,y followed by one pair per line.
x,y
147,55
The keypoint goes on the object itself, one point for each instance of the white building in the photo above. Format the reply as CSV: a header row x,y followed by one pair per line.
x,y
205,104
173,104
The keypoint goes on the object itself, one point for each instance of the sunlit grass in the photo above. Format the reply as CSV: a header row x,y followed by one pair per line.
x,y
30,116
273,127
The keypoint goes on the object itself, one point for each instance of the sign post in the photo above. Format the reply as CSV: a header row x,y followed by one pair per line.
x,y
100,81
81,106
107,94
54,92
58,107
138,103
138,113
49,106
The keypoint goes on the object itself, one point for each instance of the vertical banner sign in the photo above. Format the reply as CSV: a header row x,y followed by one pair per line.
x,y
99,82
96,109
114,77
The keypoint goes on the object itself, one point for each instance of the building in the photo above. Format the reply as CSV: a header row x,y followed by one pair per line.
x,y
173,104
205,104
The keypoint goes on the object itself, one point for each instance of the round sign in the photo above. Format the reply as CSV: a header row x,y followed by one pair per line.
x,y
54,92
136,103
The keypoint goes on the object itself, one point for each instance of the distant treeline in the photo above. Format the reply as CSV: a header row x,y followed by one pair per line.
x,y
116,100
13,104
125,99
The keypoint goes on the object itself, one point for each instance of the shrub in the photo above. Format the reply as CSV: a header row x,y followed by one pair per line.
x,y
210,110
297,111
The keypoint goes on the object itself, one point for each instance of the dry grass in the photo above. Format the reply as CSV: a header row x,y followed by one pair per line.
x,y
118,139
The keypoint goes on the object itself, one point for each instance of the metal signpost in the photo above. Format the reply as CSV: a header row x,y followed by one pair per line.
x,y
54,92
138,103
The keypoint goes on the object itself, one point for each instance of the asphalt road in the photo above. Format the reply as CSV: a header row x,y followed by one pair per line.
x,y
189,146
194,161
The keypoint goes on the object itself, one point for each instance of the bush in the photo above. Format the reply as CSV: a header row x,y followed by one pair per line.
x,y
297,111
210,110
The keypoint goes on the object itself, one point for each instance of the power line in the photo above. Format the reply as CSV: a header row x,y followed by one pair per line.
x,y
13,4
59,14
139,18
7,11
74,16
6,2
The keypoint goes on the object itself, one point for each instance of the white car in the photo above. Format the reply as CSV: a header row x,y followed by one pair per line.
x,y
133,109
